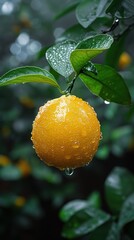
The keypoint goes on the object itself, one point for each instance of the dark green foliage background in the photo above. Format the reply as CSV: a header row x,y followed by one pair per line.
x,y
99,197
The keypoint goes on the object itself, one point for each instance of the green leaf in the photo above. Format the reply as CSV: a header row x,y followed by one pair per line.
x,y
10,172
121,132
42,53
112,8
69,8
128,8
46,174
87,11
108,84
114,233
84,222
127,211
71,208
107,231
103,152
32,208
113,54
58,57
95,199
89,48
76,33
89,67
28,74
121,8
118,186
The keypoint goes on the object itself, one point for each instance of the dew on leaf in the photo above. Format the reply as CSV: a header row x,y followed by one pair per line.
x,y
58,57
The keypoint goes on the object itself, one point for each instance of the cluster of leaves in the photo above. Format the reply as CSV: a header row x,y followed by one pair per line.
x,y
71,56
86,219
102,26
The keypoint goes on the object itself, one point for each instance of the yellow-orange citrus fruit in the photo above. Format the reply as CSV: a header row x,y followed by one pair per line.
x,y
24,167
20,201
124,60
66,132
4,160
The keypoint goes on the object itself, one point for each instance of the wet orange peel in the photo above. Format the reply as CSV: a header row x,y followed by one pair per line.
x,y
66,132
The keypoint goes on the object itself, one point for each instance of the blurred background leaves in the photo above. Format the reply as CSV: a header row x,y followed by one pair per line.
x,y
32,194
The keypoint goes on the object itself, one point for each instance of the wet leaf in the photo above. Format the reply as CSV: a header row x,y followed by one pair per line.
x,y
127,211
58,57
107,84
121,8
28,74
118,186
71,208
87,11
89,67
113,54
78,33
84,222
112,8
107,231
89,48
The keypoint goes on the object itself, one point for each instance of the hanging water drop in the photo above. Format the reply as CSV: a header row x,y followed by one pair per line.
x,y
69,171
106,102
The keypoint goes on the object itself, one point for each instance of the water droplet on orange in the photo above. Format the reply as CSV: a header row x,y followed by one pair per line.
x,y
68,157
84,133
76,146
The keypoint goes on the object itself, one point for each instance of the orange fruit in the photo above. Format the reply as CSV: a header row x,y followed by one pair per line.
x,y
4,160
66,132
19,201
24,167
124,60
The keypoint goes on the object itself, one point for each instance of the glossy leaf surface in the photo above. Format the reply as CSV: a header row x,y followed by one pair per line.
x,y
107,84
71,208
28,74
118,186
89,48
84,222
121,9
127,211
87,11
108,231
58,57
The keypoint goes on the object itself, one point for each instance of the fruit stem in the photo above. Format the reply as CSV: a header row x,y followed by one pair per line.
x,y
68,90
70,87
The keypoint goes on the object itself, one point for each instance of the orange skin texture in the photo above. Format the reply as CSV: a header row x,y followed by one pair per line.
x,y
66,132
